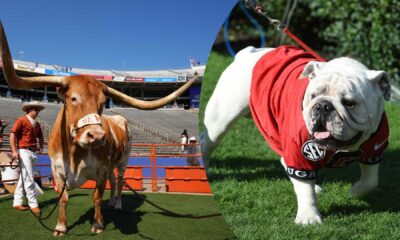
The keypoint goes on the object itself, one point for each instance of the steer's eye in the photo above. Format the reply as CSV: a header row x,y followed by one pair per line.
x,y
73,99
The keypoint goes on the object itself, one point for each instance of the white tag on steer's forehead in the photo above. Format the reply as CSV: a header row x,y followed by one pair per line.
x,y
89,120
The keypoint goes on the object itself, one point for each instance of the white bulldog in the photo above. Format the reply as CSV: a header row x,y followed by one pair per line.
x,y
313,114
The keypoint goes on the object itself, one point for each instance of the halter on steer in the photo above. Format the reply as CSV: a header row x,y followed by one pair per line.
x,y
90,119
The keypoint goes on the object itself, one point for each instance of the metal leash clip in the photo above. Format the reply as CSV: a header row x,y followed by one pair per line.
x,y
259,9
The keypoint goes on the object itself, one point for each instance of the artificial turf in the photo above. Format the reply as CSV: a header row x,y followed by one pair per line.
x,y
137,220
257,198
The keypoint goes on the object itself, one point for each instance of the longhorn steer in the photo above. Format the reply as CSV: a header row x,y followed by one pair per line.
x,y
84,144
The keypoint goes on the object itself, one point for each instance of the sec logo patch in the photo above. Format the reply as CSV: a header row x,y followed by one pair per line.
x,y
312,151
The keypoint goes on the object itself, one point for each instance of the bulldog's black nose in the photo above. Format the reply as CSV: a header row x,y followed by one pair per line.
x,y
324,107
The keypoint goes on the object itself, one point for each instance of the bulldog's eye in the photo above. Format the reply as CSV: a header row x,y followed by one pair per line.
x,y
348,103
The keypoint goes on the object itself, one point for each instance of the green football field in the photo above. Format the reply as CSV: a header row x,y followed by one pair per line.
x,y
137,220
258,200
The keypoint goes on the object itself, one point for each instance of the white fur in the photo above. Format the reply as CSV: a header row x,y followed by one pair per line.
x,y
345,78
121,122
368,180
306,190
61,228
58,168
307,211
230,99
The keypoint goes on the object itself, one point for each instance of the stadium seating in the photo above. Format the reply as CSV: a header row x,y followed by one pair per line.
x,y
169,122
160,126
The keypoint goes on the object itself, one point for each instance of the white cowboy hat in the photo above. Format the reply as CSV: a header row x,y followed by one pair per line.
x,y
34,104
192,139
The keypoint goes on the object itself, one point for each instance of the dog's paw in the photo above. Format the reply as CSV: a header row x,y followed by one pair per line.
x,y
318,189
308,217
360,189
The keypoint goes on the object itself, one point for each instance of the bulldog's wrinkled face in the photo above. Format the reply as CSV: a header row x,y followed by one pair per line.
x,y
344,102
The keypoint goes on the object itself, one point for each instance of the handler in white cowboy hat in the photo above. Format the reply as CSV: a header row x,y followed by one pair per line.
x,y
24,146
192,160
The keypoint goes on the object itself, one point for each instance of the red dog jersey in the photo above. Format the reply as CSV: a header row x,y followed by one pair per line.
x,y
276,106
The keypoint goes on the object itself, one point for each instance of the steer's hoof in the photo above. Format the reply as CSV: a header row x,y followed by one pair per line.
x,y
118,205
60,230
111,202
57,233
97,228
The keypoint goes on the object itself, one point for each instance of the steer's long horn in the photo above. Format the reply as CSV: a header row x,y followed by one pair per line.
x,y
22,82
149,105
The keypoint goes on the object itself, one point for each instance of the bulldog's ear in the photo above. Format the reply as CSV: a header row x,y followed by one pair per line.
x,y
311,69
381,79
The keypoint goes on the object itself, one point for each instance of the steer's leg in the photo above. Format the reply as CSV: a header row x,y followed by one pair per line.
x,y
61,227
121,173
111,178
122,168
98,222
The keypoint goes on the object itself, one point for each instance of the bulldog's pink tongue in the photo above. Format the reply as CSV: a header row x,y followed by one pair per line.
x,y
322,135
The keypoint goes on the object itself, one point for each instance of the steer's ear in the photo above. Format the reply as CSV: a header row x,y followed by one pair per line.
x,y
104,89
62,90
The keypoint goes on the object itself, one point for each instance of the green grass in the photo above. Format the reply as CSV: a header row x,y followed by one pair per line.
x,y
138,220
258,200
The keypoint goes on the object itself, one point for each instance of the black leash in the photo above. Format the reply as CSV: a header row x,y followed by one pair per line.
x,y
168,212
40,218
172,213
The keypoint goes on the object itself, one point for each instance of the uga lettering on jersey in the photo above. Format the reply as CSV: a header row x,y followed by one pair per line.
x,y
312,151
300,174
